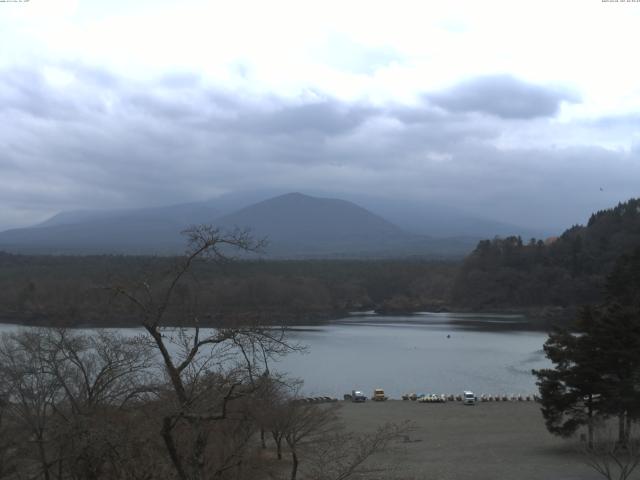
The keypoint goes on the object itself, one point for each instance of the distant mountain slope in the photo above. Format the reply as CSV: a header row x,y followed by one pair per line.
x,y
139,231
296,225
184,214
95,236
569,270
426,218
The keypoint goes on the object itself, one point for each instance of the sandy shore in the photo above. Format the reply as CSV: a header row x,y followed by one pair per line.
x,y
486,441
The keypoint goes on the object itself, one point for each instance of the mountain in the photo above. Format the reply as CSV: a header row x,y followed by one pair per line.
x,y
304,226
416,216
296,225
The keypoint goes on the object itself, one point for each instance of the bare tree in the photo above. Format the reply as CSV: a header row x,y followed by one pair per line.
x,y
343,455
68,391
272,409
611,458
101,369
9,435
31,395
100,375
304,423
209,371
319,446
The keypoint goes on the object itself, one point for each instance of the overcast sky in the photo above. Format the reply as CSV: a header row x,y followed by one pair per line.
x,y
526,112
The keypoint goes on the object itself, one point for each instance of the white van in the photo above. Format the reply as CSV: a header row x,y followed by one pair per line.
x,y
468,398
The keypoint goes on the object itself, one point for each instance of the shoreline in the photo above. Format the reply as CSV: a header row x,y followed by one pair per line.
x,y
534,320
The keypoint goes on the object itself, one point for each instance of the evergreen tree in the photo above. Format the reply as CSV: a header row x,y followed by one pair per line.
x,y
597,371
623,284
618,332
615,339
571,393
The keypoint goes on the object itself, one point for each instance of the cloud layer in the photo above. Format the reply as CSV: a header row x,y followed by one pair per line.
x,y
502,96
76,136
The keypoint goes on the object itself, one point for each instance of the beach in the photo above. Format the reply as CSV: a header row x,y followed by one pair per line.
x,y
450,441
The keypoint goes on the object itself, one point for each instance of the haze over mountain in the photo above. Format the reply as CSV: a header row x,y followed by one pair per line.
x,y
438,220
296,225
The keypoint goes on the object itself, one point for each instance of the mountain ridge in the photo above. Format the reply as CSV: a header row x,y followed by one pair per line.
x,y
297,225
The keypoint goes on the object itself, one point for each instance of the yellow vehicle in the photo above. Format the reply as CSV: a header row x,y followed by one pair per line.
x,y
378,395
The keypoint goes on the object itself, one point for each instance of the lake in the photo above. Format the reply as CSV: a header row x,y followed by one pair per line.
x,y
422,353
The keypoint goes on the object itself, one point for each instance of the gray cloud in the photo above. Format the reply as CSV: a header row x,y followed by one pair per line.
x,y
25,91
502,96
629,122
106,142
327,117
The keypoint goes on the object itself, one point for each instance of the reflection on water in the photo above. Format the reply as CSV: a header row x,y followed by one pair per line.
x,y
423,353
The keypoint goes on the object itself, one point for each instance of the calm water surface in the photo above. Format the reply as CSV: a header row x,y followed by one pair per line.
x,y
414,354
422,353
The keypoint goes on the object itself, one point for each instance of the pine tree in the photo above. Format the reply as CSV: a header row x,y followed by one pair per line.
x,y
571,393
616,337
597,371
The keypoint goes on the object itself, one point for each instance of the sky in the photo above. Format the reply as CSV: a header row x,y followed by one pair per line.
x,y
523,112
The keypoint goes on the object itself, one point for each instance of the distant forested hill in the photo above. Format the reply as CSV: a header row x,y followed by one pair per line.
x,y
70,290
566,271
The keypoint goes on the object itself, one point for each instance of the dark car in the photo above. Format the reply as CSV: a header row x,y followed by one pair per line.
x,y
358,396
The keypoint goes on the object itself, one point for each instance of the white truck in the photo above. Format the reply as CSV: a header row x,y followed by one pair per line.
x,y
378,395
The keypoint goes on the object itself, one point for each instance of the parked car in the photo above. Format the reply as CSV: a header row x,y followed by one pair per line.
x,y
358,396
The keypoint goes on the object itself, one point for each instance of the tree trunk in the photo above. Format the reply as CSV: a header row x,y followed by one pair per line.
x,y
590,424
621,430
199,448
170,368
294,464
262,441
43,459
171,448
278,440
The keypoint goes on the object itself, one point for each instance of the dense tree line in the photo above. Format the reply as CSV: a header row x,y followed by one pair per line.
x,y
70,290
567,271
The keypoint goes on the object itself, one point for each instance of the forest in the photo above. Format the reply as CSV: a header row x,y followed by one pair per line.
x,y
563,272
73,290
